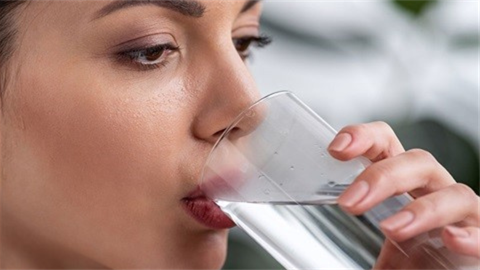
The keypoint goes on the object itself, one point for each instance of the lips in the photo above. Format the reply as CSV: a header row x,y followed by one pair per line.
x,y
206,211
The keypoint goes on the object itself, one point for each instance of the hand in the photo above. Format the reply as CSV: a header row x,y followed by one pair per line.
x,y
439,202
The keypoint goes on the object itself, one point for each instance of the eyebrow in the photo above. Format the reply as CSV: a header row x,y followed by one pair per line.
x,y
190,8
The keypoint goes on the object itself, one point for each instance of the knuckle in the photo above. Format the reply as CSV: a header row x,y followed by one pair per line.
x,y
423,206
467,193
363,127
354,129
381,175
422,155
385,127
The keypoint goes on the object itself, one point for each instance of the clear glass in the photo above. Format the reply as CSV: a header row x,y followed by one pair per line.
x,y
271,173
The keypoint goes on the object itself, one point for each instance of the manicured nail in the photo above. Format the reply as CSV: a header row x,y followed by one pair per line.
x,y
340,142
354,194
456,231
398,221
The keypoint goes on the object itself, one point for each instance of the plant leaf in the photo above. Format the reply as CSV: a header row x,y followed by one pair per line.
x,y
416,7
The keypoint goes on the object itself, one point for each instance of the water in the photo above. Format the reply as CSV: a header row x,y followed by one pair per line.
x,y
313,234
308,233
317,234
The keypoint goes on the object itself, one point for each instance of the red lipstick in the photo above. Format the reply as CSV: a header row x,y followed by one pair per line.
x,y
206,211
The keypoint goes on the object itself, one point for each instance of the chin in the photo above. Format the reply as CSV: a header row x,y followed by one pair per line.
x,y
205,250
210,252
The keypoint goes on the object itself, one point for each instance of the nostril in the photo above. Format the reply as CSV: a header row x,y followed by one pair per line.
x,y
219,133
234,130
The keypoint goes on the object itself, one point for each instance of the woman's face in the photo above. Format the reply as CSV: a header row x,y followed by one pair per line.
x,y
110,112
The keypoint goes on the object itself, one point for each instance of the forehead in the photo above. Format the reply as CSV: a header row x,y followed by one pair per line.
x,y
70,18
88,10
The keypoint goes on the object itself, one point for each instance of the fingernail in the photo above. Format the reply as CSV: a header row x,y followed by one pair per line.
x,y
340,142
398,221
457,232
354,194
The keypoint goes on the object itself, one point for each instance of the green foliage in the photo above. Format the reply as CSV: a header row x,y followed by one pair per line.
x,y
414,7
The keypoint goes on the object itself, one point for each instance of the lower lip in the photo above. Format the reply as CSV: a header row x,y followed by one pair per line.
x,y
206,212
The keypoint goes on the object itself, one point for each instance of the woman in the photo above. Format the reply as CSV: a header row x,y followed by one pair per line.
x,y
109,109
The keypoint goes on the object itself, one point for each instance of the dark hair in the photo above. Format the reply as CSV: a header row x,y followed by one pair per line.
x,y
7,35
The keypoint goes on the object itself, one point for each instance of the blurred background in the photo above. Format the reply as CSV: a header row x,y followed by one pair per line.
x,y
412,64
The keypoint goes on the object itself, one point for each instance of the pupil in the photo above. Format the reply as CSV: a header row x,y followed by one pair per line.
x,y
242,44
154,54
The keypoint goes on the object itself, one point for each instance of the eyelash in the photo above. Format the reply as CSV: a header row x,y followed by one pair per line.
x,y
133,56
259,42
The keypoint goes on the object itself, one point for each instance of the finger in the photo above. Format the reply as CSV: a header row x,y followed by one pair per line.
x,y
453,204
376,141
465,240
391,258
414,171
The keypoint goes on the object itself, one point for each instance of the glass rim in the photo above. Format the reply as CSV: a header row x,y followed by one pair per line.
x,y
236,120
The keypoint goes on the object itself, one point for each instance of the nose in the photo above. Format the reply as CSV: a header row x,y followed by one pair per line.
x,y
228,89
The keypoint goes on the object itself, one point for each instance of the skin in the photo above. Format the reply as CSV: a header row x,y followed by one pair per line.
x,y
97,154
439,202
101,153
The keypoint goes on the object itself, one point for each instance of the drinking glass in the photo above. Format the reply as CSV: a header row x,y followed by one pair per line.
x,y
270,171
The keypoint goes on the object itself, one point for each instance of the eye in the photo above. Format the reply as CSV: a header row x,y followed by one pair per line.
x,y
243,44
150,57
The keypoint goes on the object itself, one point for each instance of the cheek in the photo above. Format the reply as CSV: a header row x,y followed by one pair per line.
x,y
104,133
109,155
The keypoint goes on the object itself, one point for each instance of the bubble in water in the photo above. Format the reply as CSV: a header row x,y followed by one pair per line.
x,y
331,183
260,177
322,154
292,168
266,192
322,174
276,153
